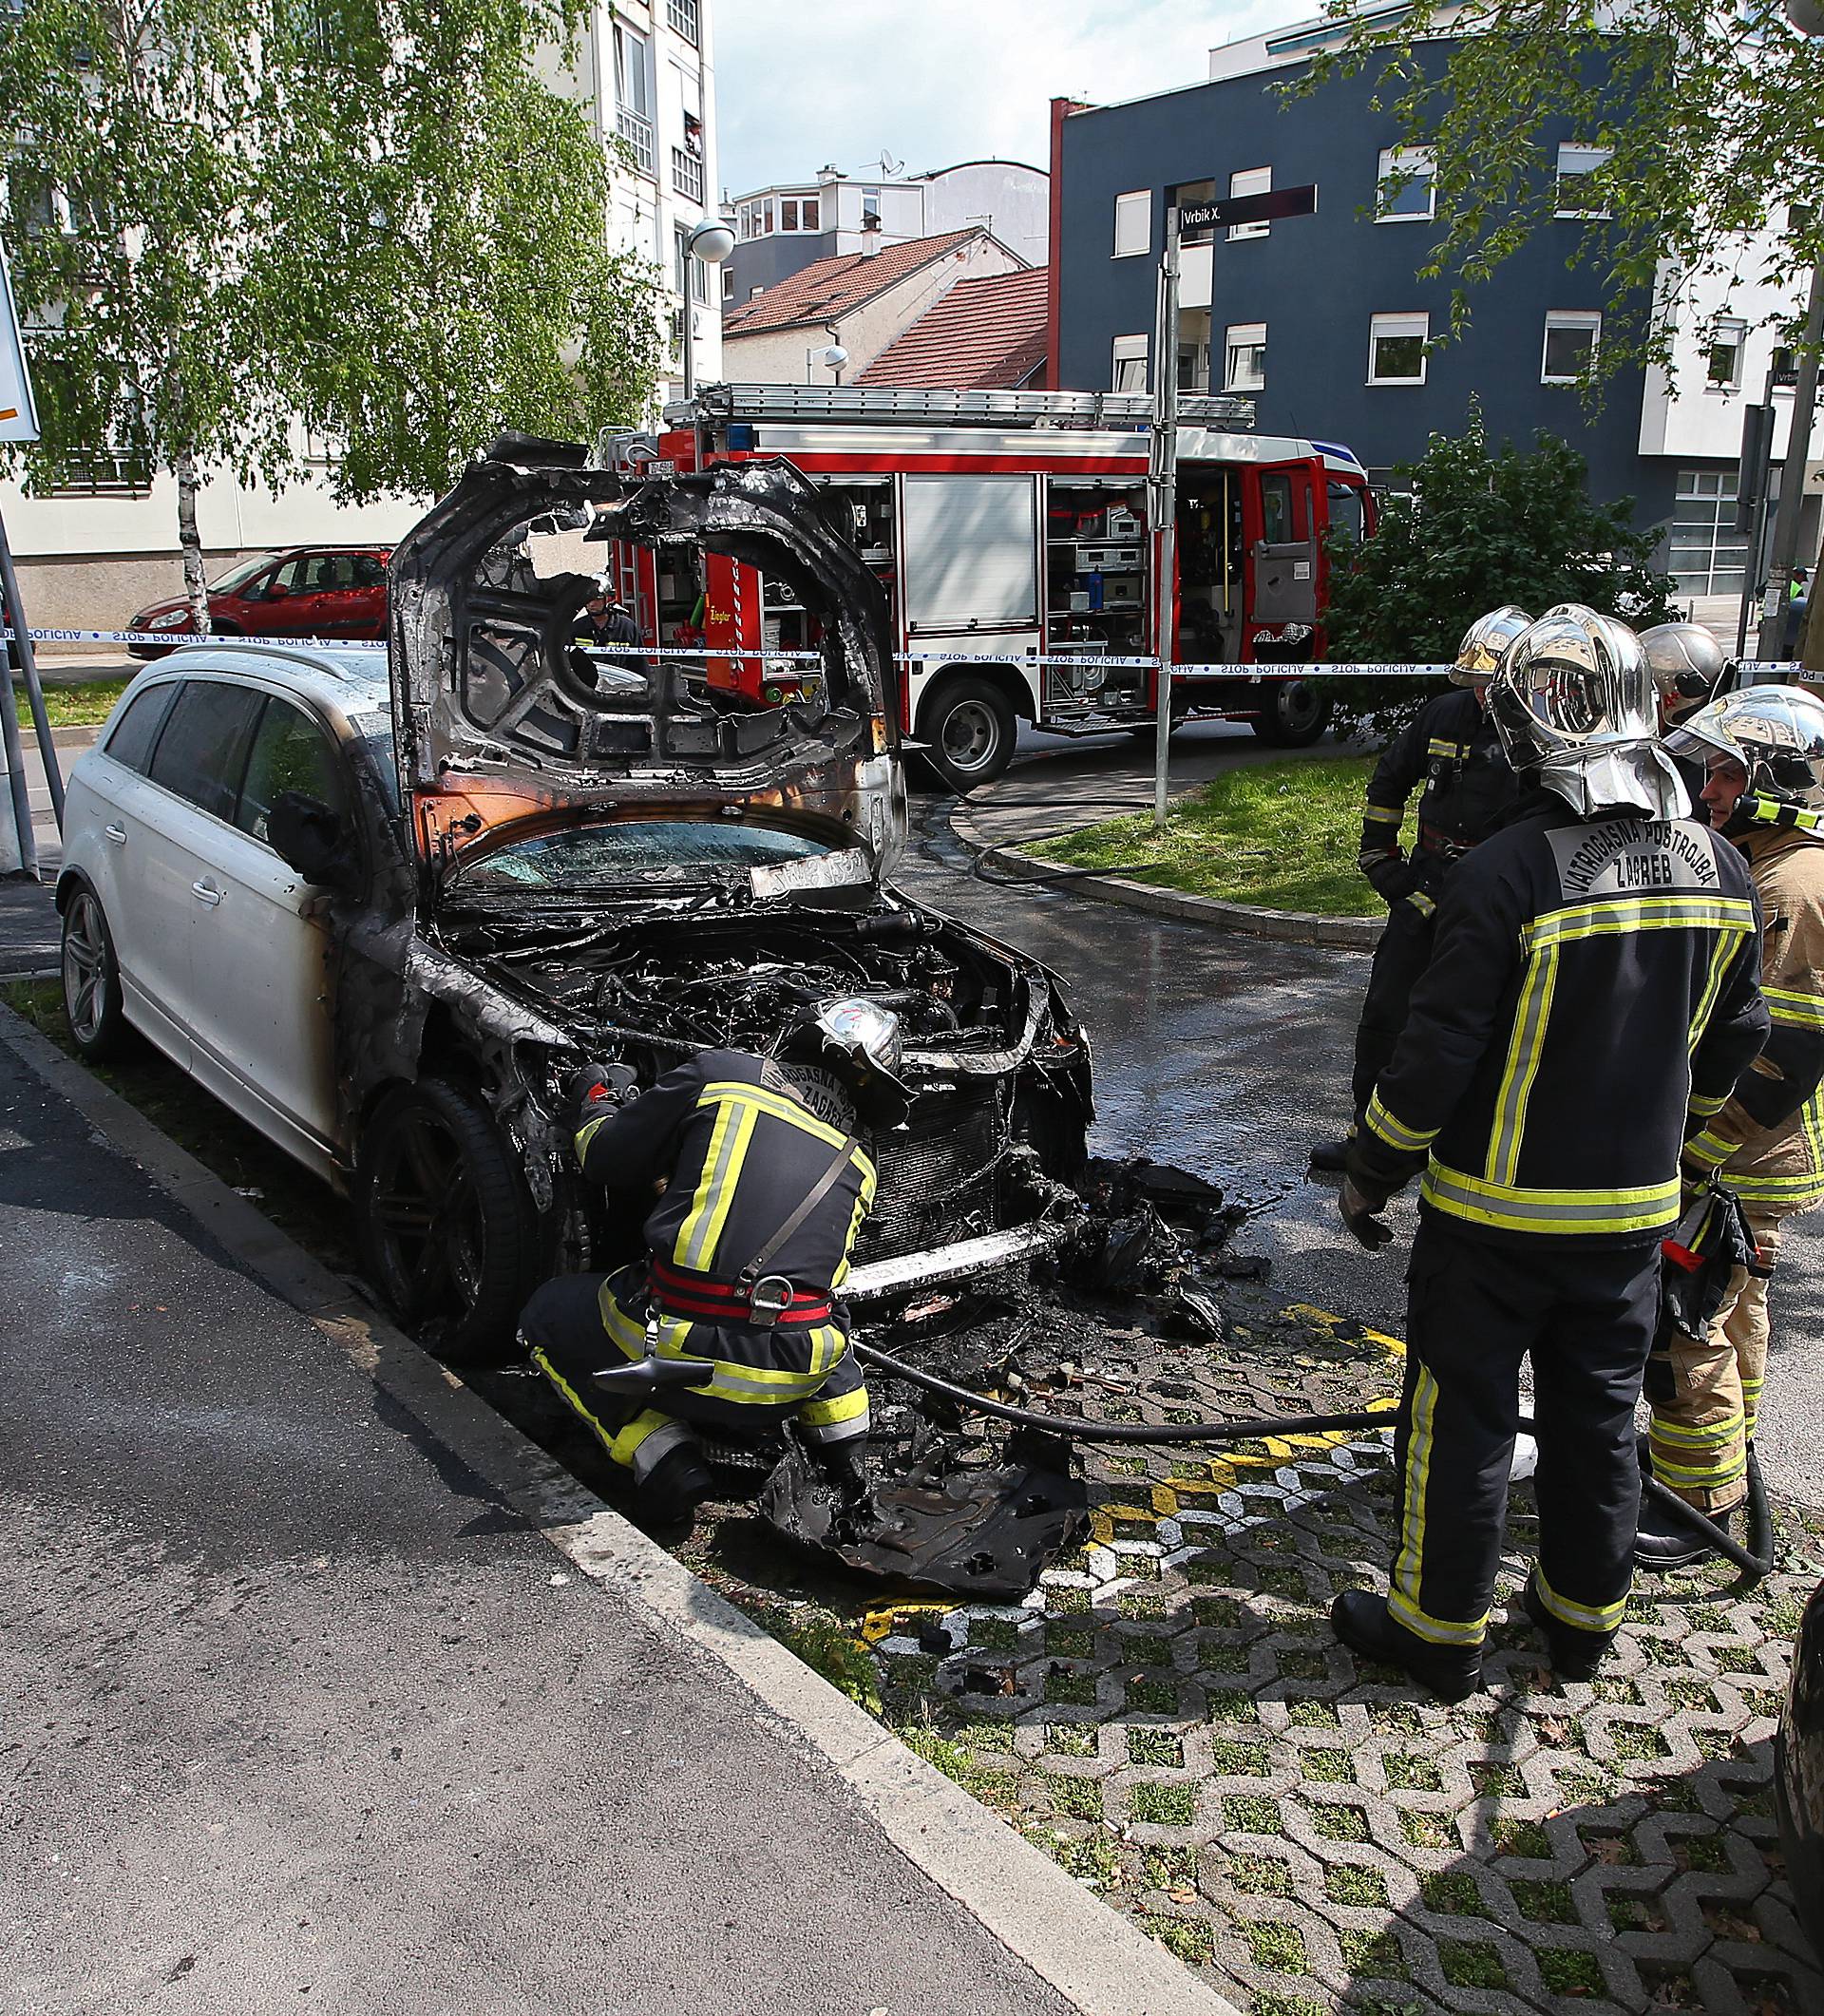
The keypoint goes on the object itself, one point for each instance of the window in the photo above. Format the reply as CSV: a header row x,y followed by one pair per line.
x,y
691,276
1132,223
1574,162
687,174
870,208
1723,361
1281,521
1130,365
1785,369
728,284
1396,349
634,97
1708,556
1249,182
807,212
682,14
788,213
1348,525
1571,337
370,571
134,735
289,753
203,750
1405,186
1245,357
1193,367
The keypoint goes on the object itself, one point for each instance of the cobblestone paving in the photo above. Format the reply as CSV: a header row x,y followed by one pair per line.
x,y
1170,1716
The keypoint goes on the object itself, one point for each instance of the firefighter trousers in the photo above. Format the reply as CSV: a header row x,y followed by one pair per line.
x,y
563,1327
1705,1391
1401,954
1476,1309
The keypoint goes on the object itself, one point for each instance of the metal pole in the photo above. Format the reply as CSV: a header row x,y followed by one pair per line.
x,y
1791,478
16,770
29,665
1164,493
690,380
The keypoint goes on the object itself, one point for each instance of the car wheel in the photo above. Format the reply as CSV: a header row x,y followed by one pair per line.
x,y
92,1002
1297,712
968,731
446,1224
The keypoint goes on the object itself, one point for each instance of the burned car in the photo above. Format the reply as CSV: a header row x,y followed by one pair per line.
x,y
383,919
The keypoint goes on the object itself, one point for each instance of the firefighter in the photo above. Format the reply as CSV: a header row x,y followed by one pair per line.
x,y
1595,976
1764,750
747,1248
1451,745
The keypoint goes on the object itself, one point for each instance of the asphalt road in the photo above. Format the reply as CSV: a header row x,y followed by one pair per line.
x,y
300,1715
1230,1055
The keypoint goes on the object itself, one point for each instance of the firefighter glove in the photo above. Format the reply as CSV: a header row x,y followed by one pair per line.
x,y
846,1465
1390,876
596,1087
1358,1208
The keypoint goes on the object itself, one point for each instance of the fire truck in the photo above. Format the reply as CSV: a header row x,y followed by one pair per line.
x,y
1009,532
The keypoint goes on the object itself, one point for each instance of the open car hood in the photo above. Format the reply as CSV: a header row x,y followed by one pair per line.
x,y
496,719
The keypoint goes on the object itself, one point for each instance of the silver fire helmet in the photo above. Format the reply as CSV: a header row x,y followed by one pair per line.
x,y
862,1042
1574,698
1485,642
1776,734
1686,660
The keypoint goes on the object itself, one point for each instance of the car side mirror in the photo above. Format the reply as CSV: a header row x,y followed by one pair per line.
x,y
273,592
311,840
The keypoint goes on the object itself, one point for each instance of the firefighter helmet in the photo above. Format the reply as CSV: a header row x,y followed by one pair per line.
x,y
1686,661
1573,700
859,1043
1776,734
1484,642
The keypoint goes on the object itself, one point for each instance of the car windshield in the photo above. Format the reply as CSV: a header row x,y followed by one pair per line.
x,y
239,575
637,850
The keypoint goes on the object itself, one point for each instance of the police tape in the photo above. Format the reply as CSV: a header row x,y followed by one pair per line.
x,y
1253,673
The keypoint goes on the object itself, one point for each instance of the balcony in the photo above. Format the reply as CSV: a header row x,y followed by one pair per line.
x,y
637,132
682,14
104,472
687,174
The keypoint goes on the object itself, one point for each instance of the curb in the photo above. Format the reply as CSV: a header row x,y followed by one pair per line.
x,y
1302,927
1098,1960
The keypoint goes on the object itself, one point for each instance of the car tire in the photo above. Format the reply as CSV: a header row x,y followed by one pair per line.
x,y
1296,714
447,1227
968,728
94,1006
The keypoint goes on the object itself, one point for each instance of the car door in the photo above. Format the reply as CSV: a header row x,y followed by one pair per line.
x,y
193,786
288,608
1283,558
260,1029
369,596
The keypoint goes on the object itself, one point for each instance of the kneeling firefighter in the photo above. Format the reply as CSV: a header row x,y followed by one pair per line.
x,y
1596,983
732,1319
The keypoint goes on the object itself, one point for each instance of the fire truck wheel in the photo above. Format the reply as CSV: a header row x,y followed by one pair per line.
x,y
1297,712
968,730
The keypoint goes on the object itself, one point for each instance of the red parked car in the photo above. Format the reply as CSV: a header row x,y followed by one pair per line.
x,y
305,591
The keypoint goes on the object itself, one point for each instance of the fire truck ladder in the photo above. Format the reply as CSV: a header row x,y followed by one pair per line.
x,y
868,405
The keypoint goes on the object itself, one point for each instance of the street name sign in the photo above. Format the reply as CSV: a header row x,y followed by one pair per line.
x,y
1195,219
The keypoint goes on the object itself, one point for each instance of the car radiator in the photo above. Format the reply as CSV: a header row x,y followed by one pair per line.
x,y
938,1175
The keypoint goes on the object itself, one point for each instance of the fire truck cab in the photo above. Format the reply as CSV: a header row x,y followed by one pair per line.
x,y
1009,531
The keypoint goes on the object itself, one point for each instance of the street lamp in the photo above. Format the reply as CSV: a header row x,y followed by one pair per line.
x,y
711,241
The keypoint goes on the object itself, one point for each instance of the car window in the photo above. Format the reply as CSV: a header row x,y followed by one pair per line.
x,y
369,572
239,574
291,754
203,750
133,736
290,577
639,850
329,571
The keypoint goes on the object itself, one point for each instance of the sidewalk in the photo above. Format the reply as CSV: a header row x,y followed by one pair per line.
x,y
319,1720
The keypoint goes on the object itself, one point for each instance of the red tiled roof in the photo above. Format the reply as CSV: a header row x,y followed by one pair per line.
x,y
985,333
828,288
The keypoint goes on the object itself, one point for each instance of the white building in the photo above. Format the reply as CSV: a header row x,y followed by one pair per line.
x,y
105,543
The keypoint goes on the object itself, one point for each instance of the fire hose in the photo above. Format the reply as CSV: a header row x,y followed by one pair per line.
x,y
1755,1560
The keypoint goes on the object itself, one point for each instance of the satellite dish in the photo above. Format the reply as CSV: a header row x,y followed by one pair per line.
x,y
889,166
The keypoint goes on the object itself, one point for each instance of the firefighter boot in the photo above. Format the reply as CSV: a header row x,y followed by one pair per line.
x,y
1663,1541
1329,1158
1575,1655
675,1486
1450,1672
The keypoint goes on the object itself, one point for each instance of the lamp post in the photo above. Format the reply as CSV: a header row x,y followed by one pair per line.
x,y
711,241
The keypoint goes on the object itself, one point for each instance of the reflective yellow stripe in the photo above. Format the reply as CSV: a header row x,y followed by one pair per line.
x,y
1393,814
569,1393
1802,1010
1394,1132
1791,1193
1437,748
1670,912
588,1132
627,1443
1705,1109
1679,1435
708,1212
1403,1584
761,1099
1604,1617
1720,954
1700,1476
1709,1149
1512,1208
826,1414
1421,903
1525,1050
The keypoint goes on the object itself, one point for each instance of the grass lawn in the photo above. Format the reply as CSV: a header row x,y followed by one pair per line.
x,y
1282,835
85,706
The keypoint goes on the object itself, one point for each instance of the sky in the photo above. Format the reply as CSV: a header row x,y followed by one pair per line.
x,y
940,81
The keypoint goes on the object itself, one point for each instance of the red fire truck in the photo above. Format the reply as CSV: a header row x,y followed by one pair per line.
x,y
1009,532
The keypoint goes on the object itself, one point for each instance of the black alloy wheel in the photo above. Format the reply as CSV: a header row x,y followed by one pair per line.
x,y
446,1222
1296,714
969,729
92,1001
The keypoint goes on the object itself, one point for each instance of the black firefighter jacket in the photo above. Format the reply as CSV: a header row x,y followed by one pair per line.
x,y
738,1156
1452,746
1593,984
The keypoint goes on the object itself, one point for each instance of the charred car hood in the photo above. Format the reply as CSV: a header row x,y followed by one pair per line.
x,y
497,720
